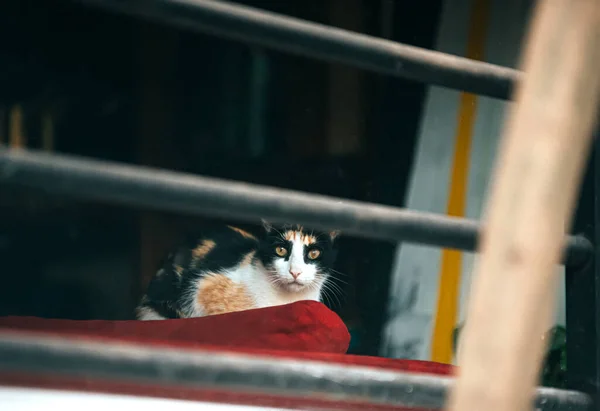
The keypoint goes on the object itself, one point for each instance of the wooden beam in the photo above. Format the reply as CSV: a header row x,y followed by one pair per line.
x,y
545,144
47,130
3,124
16,134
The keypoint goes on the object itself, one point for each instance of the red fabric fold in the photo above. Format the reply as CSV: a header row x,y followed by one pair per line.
x,y
301,326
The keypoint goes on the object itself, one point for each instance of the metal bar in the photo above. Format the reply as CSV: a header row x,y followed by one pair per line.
x,y
240,372
323,42
186,193
583,292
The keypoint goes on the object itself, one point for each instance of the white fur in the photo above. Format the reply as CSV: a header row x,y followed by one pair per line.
x,y
148,314
272,288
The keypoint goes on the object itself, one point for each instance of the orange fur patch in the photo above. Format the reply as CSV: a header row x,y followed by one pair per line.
x,y
178,269
218,294
247,258
307,239
241,232
203,249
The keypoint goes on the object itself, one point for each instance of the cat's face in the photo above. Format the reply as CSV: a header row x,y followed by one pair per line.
x,y
295,258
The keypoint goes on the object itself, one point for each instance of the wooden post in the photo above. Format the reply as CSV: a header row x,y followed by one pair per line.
x,y
47,130
3,125
542,153
16,133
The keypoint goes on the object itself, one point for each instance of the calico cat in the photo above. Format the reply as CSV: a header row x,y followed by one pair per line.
x,y
228,269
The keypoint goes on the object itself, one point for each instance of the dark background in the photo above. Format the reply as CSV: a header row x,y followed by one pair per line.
x,y
82,81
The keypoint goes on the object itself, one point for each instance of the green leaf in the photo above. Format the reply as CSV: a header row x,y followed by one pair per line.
x,y
455,336
558,335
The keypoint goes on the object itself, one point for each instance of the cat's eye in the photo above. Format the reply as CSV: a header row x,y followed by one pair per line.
x,y
281,251
313,254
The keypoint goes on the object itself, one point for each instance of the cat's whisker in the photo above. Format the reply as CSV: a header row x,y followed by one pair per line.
x,y
318,286
333,286
338,272
339,289
336,286
275,281
333,293
325,297
338,279
339,294
331,279
337,299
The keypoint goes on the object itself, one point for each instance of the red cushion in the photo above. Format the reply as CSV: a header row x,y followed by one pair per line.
x,y
302,326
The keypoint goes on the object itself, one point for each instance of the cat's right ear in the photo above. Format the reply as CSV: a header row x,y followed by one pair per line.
x,y
266,225
334,234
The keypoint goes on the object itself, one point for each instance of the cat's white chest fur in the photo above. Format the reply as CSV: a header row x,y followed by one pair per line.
x,y
260,287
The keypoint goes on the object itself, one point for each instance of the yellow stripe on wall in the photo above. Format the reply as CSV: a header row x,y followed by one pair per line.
x,y
451,263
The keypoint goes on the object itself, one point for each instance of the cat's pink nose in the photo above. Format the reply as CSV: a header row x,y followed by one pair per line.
x,y
295,274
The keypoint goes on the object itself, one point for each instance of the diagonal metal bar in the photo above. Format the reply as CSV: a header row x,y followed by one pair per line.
x,y
186,193
291,35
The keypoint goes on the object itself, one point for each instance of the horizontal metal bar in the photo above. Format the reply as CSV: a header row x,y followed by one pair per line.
x,y
186,193
240,372
323,42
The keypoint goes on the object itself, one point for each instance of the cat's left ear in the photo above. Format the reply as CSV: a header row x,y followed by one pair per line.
x,y
334,234
266,225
